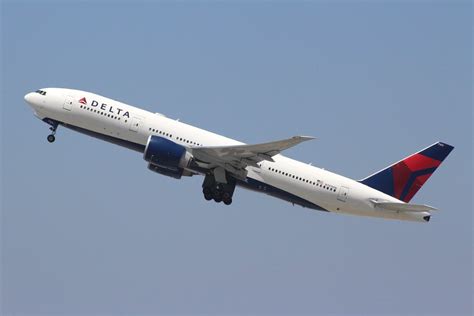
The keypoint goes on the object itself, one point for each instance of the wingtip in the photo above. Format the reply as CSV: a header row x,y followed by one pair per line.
x,y
304,137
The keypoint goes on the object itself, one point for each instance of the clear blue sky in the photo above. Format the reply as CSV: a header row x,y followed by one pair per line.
x,y
88,230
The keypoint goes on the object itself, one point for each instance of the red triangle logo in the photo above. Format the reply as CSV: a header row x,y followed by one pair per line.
x,y
83,101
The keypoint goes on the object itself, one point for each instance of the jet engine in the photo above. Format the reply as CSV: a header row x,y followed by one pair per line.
x,y
166,157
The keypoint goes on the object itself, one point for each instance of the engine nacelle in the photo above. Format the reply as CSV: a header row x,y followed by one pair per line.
x,y
166,157
177,174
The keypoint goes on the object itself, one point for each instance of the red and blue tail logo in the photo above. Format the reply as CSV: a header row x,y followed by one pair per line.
x,y
403,179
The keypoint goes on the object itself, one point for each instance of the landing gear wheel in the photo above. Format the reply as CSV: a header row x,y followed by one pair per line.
x,y
217,191
51,138
207,193
54,126
227,198
217,196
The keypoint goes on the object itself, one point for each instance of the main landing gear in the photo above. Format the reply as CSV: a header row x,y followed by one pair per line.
x,y
219,192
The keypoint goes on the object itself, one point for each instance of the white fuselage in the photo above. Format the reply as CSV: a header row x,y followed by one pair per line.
x,y
132,126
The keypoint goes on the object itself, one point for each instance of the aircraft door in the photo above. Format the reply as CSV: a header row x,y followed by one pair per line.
x,y
135,124
343,194
68,103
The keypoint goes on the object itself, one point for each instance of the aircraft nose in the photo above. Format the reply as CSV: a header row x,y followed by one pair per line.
x,y
29,98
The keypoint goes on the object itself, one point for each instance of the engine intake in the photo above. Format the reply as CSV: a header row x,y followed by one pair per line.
x,y
166,157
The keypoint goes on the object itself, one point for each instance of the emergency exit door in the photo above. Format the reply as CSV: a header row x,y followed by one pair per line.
x,y
68,103
343,194
135,124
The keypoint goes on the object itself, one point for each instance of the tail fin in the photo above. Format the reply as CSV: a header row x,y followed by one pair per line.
x,y
403,179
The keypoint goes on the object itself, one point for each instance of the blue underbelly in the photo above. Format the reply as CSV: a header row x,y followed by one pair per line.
x,y
262,187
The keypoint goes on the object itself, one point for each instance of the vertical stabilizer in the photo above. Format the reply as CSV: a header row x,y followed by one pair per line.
x,y
403,179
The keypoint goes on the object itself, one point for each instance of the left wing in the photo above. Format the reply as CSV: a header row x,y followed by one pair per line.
x,y
237,157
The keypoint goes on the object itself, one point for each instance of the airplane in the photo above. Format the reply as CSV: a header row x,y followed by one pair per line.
x,y
175,149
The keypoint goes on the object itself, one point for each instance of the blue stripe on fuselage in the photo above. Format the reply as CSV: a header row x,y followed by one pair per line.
x,y
114,140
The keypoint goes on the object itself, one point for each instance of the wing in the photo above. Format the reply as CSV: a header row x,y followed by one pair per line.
x,y
237,157
403,207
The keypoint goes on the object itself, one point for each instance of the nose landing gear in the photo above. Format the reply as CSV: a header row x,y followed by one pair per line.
x,y
51,138
54,126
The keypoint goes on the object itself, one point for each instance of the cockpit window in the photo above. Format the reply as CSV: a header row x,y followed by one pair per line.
x,y
41,92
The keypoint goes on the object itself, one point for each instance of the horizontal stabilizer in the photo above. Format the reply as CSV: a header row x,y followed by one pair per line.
x,y
403,207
